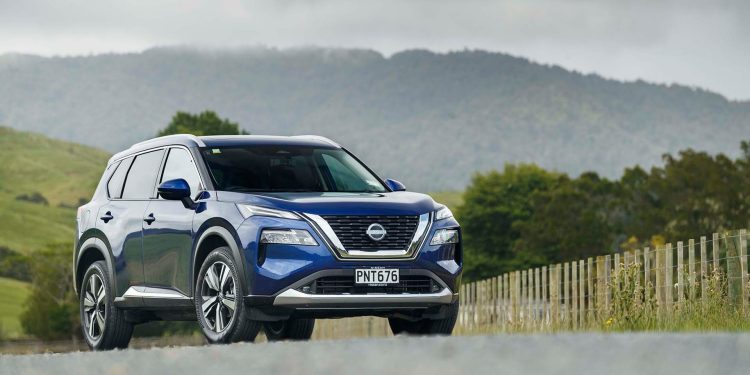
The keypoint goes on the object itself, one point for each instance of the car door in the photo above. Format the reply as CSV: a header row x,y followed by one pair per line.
x,y
130,188
168,228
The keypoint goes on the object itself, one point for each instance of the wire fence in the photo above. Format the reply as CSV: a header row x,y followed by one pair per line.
x,y
692,284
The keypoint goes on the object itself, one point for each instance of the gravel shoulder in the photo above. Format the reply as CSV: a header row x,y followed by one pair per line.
x,y
507,354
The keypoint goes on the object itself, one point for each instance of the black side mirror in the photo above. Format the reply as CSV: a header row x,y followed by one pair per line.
x,y
177,190
395,185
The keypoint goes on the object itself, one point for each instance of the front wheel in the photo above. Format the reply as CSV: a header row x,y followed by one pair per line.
x,y
443,326
219,305
292,329
103,324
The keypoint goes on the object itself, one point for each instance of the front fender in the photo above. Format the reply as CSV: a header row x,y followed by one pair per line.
x,y
225,231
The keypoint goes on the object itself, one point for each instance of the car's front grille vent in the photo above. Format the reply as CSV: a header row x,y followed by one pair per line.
x,y
352,231
411,284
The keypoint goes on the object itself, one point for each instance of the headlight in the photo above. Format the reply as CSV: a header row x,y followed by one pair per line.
x,y
443,213
248,210
444,236
288,237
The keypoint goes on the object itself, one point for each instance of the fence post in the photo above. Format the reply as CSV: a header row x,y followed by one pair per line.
x,y
574,294
581,292
646,272
537,297
524,298
743,266
668,264
704,269
692,284
607,282
545,300
680,272
715,248
554,294
530,295
517,291
599,286
659,280
566,293
507,309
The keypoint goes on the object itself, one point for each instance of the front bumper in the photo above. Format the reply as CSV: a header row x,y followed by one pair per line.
x,y
294,298
276,272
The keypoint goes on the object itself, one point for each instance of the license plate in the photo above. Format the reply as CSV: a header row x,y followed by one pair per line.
x,y
376,276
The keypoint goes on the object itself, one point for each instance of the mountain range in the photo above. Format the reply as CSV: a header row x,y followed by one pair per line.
x,y
428,119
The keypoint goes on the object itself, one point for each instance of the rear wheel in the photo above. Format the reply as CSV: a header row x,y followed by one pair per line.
x,y
442,326
219,303
291,329
103,324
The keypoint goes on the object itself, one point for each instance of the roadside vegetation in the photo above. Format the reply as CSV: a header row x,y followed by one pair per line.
x,y
525,216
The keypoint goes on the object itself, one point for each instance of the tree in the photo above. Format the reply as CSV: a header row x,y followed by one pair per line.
x,y
51,310
204,123
493,206
572,221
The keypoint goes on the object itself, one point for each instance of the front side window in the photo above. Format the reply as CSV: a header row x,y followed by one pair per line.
x,y
142,176
180,165
288,169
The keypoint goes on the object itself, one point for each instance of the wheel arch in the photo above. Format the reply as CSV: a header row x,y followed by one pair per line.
x,y
216,233
93,247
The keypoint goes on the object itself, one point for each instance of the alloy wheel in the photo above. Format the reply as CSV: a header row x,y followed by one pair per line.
x,y
95,307
219,296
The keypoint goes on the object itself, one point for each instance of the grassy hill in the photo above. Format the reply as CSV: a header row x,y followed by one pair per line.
x,y
62,172
427,119
11,293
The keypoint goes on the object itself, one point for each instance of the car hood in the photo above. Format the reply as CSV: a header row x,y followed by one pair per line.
x,y
390,203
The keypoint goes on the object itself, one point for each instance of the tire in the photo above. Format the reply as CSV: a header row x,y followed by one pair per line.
x,y
215,295
442,326
103,324
292,329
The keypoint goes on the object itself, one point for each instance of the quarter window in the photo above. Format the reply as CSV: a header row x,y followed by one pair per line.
x,y
142,176
114,186
180,165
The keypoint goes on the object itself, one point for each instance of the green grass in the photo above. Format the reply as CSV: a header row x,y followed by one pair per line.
x,y
63,172
12,295
452,199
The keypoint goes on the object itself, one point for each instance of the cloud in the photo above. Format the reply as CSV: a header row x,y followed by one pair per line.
x,y
702,43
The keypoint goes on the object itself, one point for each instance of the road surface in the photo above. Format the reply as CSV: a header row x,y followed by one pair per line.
x,y
608,354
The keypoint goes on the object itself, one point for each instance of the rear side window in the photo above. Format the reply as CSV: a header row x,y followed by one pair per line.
x,y
114,186
142,176
180,165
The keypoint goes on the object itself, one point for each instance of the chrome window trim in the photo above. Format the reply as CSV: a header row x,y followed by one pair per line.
x,y
324,230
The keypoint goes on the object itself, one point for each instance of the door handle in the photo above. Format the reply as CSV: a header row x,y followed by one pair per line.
x,y
107,217
149,219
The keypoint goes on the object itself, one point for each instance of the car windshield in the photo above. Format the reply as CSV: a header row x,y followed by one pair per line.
x,y
288,169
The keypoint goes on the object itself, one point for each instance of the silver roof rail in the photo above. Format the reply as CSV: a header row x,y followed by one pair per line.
x,y
317,138
169,137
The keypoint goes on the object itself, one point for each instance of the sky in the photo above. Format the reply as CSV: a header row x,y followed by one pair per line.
x,y
703,43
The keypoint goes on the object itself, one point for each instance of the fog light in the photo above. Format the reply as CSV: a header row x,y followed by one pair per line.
x,y
444,236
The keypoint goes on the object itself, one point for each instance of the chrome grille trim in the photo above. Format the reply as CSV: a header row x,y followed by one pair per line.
x,y
325,231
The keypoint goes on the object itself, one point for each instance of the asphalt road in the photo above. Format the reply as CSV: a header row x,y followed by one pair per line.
x,y
505,354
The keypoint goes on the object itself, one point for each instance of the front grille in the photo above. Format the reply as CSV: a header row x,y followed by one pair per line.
x,y
351,231
411,284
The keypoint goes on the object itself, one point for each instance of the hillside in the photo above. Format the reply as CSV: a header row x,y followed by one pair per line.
x,y
62,172
427,119
11,292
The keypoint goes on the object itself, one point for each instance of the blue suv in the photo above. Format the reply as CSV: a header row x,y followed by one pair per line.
x,y
243,233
